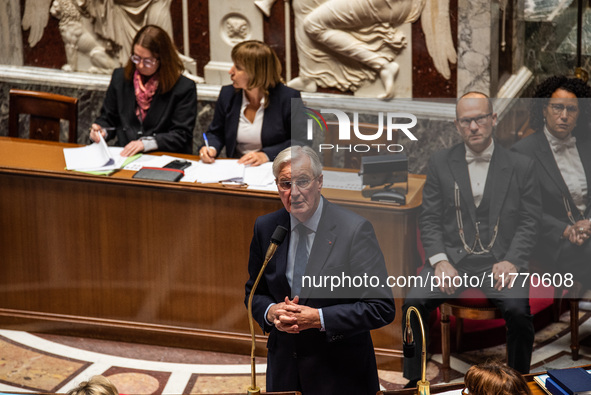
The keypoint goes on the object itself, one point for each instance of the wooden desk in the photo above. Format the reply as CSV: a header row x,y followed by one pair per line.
x,y
148,261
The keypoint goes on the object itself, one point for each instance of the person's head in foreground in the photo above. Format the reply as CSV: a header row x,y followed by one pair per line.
x,y
494,378
97,385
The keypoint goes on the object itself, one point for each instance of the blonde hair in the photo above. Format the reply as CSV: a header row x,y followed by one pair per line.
x,y
260,63
97,385
494,378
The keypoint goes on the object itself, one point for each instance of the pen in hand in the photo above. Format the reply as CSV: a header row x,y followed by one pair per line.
x,y
205,154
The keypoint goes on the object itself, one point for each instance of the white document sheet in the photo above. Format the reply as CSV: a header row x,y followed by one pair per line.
x,y
342,180
94,157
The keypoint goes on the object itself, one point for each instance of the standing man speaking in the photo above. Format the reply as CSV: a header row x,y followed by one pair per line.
x,y
319,340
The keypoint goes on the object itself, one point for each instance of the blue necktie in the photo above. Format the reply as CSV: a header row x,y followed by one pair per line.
x,y
301,259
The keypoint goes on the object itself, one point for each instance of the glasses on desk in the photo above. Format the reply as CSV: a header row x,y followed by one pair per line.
x,y
301,183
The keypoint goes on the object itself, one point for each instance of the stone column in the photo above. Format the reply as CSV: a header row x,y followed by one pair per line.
x,y
11,42
230,22
476,42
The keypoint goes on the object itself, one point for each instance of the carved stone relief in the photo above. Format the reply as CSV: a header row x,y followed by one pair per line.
x,y
235,28
230,22
97,34
345,44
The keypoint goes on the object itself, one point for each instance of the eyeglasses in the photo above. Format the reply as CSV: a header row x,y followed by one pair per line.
x,y
301,183
148,62
481,120
558,109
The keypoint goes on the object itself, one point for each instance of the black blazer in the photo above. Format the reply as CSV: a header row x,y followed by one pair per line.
x,y
340,360
515,200
276,131
170,119
553,188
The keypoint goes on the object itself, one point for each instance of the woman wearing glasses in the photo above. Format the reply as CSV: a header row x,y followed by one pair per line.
x,y
253,116
149,104
561,149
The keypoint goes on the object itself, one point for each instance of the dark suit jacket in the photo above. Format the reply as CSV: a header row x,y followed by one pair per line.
x,y
553,188
515,199
340,360
276,131
170,119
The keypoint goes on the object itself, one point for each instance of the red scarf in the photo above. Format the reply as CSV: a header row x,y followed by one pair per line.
x,y
144,93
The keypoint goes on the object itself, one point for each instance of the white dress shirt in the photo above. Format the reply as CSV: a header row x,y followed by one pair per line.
x,y
478,170
248,138
570,165
478,164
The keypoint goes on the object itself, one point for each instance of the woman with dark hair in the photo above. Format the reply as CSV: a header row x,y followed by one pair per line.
x,y
544,91
253,116
149,104
561,150
493,378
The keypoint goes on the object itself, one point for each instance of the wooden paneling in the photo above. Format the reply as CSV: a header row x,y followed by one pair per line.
x,y
147,261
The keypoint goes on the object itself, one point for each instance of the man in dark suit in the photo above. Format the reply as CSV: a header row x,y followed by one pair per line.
x,y
561,151
319,341
479,217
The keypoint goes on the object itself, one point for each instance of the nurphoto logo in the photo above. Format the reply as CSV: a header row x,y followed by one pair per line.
x,y
393,122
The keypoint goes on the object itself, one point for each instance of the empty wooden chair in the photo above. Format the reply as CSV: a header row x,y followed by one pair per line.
x,y
45,110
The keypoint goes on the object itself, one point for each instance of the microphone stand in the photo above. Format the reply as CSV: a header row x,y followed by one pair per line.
x,y
253,389
423,384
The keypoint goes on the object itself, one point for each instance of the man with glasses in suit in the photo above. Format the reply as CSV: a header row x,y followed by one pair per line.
x,y
319,340
479,219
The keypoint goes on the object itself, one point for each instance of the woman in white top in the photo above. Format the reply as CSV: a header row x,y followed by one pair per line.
x,y
253,116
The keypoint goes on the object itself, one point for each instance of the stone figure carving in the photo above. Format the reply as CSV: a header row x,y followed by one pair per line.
x,y
78,38
344,43
119,20
101,29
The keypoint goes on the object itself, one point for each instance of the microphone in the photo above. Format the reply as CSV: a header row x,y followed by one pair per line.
x,y
408,343
408,347
276,239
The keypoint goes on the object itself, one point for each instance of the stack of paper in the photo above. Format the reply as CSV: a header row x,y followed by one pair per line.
x,y
230,171
96,157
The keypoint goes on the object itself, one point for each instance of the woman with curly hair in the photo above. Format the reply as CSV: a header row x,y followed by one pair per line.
x,y
97,385
493,378
561,149
544,91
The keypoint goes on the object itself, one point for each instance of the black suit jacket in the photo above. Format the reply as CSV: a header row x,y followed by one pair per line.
x,y
340,360
170,119
515,200
276,130
553,188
